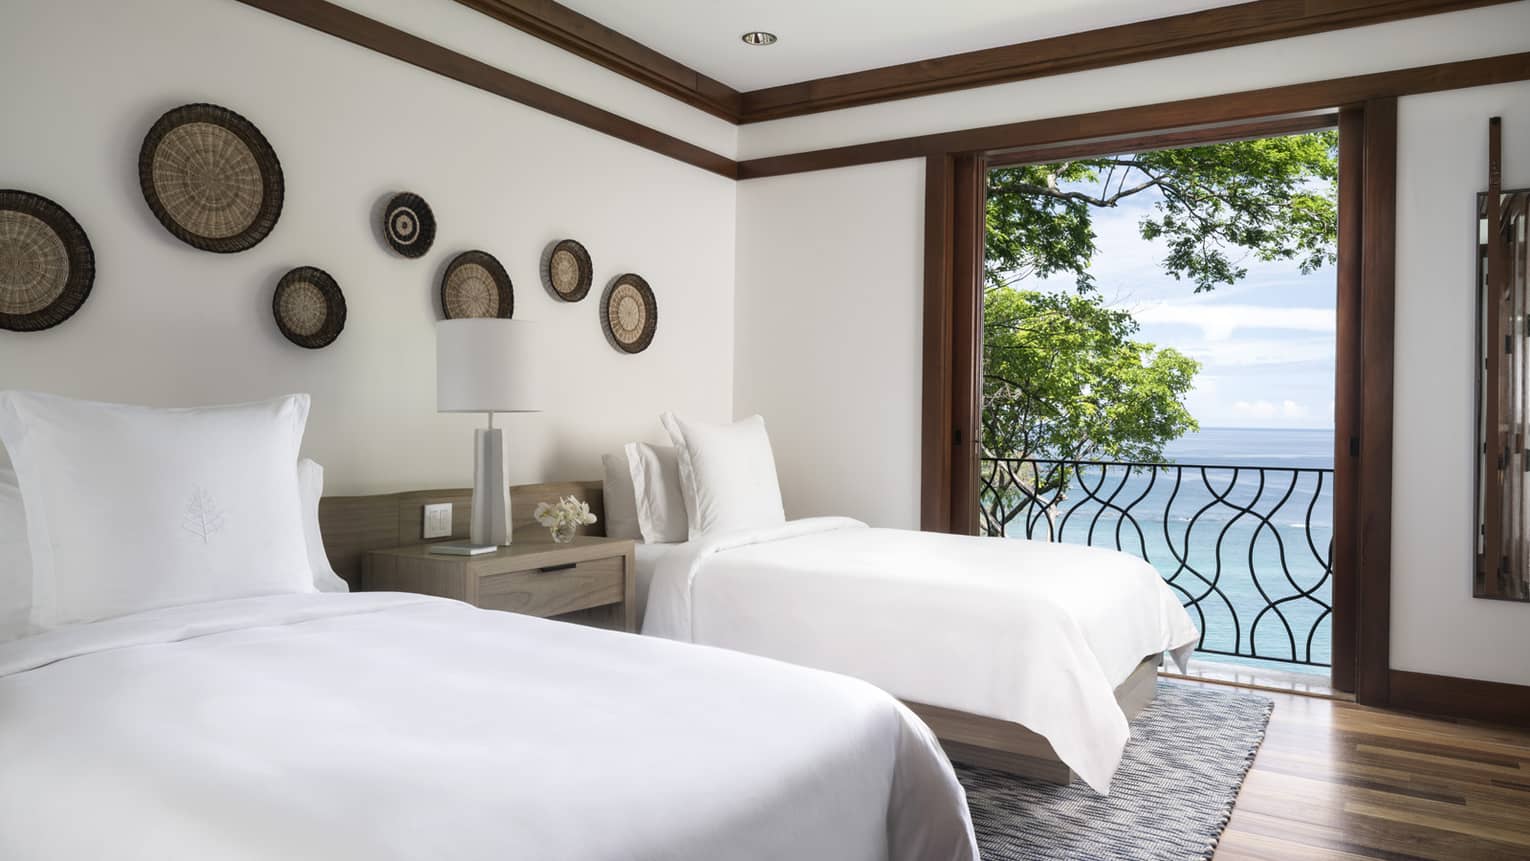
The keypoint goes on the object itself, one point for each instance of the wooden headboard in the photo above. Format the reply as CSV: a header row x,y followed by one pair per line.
x,y
352,525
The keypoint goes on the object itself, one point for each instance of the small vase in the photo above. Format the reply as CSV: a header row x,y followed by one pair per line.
x,y
563,533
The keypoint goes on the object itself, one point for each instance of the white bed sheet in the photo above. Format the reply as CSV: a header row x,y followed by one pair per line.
x,y
385,726
1033,632
649,555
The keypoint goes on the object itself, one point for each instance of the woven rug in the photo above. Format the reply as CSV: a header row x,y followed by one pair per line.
x,y
1171,798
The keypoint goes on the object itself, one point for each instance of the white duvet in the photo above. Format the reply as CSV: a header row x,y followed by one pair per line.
x,y
385,726
1034,632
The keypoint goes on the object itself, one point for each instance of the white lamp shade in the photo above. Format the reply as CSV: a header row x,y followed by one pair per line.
x,y
487,365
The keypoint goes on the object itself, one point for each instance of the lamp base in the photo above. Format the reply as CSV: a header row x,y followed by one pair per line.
x,y
489,525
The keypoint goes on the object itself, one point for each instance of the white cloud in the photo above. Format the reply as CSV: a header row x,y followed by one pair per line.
x,y
1219,322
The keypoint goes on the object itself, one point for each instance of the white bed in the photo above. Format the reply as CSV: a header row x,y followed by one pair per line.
x,y
1035,633
385,726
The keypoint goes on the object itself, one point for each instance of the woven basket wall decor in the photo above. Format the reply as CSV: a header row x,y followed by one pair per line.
x,y
309,307
409,224
566,270
475,285
629,314
211,178
47,266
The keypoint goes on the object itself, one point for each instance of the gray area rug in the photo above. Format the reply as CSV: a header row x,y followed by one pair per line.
x,y
1171,798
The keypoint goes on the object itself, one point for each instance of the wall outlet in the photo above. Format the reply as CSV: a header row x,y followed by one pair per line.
x,y
438,521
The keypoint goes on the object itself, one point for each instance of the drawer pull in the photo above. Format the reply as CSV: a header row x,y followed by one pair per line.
x,y
551,569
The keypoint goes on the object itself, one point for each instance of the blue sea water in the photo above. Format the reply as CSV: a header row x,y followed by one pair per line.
x,y
1241,531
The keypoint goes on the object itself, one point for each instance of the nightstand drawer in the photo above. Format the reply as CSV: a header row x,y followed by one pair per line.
x,y
555,590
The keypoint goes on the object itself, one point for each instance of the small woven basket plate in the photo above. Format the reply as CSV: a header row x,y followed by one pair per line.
x,y
47,266
629,313
567,270
475,285
211,178
309,307
409,224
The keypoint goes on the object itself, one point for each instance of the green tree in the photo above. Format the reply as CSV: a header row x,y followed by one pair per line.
x,y
1064,376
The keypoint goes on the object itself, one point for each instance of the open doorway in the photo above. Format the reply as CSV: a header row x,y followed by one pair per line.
x,y
1158,373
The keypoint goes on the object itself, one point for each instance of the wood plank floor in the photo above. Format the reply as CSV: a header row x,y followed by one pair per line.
x,y
1339,781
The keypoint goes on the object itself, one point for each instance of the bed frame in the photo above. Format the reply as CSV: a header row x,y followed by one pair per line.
x,y
353,525
1007,746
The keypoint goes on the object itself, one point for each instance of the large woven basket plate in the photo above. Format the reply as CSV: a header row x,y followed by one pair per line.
x,y
211,178
567,270
309,307
629,313
409,224
475,285
47,266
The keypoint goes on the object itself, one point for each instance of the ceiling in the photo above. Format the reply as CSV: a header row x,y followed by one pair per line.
x,y
819,38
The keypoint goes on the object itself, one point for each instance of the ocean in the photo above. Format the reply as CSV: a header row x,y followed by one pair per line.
x,y
1246,549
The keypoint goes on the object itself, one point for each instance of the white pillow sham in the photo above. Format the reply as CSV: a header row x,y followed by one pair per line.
x,y
620,500
727,475
130,508
15,561
310,478
657,493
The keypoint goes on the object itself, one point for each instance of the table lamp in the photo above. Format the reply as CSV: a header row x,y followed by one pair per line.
x,y
486,365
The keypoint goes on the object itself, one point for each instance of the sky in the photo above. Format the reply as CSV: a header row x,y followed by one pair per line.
x,y
1266,344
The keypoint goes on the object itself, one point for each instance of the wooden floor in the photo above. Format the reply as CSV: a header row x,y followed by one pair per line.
x,y
1336,780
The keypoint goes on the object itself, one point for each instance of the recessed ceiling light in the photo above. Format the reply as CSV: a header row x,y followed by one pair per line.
x,y
758,37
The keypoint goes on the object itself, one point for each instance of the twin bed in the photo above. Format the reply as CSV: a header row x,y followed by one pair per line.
x,y
281,720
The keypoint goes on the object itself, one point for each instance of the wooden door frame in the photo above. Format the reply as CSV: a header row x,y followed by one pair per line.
x,y
954,219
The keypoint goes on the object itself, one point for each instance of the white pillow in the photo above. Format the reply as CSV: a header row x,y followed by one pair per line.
x,y
16,554
15,561
621,505
727,475
131,508
310,477
656,490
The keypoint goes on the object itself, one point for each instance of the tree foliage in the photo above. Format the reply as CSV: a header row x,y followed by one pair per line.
x,y
1064,375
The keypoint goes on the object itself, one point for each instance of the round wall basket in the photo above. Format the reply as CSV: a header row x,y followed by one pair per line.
x,y
629,313
211,178
409,224
567,271
47,266
475,285
309,307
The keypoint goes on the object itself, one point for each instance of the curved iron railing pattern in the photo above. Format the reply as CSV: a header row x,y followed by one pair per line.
x,y
1247,548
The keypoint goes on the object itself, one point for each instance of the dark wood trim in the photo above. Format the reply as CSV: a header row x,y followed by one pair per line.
x,y
1378,225
1223,27
953,310
1225,108
1494,393
361,30
970,185
1473,699
1347,388
935,418
1195,136
585,37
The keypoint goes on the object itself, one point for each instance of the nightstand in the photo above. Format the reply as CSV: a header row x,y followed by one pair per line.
x,y
590,581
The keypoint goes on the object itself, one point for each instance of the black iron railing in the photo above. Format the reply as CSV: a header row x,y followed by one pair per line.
x,y
1247,548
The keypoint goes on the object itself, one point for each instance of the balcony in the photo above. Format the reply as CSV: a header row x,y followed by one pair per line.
x,y
1247,548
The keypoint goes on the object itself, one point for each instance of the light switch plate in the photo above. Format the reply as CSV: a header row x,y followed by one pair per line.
x,y
438,521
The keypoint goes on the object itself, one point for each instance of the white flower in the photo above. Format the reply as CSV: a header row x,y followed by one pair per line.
x,y
568,511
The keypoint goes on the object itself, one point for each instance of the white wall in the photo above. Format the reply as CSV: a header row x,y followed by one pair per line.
x,y
167,324
1485,32
1437,626
829,310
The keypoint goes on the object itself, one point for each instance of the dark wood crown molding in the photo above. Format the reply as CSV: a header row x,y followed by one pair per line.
x,y
594,41
1224,27
360,30
1182,114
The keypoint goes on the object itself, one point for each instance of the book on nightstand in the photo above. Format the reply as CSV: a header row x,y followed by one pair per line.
x,y
462,548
